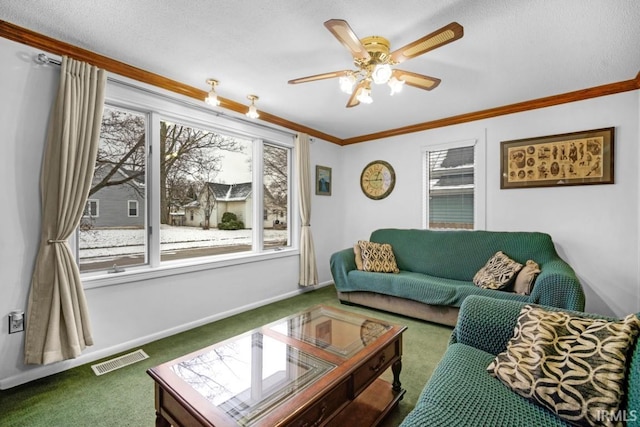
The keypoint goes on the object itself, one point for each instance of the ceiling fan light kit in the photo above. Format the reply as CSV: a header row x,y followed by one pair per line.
x,y
364,94
347,82
396,85
375,62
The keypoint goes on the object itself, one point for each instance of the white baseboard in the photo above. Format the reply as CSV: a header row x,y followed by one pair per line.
x,y
32,373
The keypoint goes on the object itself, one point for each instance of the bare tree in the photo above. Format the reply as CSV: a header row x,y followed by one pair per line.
x,y
121,154
186,156
276,177
203,175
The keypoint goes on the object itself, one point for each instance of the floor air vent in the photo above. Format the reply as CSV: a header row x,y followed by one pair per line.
x,y
119,362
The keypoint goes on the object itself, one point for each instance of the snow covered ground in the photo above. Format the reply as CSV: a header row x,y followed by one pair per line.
x,y
110,242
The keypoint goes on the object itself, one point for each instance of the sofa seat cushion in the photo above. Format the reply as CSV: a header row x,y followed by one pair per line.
x,y
421,287
484,400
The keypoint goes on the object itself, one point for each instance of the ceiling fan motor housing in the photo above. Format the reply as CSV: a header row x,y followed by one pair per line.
x,y
378,49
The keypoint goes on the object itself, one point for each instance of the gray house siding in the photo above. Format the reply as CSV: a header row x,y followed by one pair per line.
x,y
113,205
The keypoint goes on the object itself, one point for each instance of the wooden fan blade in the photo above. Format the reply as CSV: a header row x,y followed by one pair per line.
x,y
345,35
438,38
323,76
416,80
353,100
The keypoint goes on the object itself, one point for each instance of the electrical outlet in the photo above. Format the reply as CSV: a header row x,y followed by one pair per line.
x,y
16,321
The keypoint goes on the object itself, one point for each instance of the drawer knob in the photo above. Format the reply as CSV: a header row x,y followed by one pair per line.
x,y
378,365
323,412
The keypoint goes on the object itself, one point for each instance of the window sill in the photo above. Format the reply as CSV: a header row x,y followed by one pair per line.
x,y
134,274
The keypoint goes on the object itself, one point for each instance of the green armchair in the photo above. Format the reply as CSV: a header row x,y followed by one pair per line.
x,y
462,392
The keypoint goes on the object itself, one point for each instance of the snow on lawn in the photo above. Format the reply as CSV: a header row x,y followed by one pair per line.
x,y
101,242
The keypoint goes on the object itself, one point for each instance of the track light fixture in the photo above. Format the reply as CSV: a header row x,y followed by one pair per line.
x,y
212,97
252,113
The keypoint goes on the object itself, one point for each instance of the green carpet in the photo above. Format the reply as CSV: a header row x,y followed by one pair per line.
x,y
125,397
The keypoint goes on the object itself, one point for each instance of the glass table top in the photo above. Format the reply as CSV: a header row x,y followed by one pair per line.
x,y
337,332
250,375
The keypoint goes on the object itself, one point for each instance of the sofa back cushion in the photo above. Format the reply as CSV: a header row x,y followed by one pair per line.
x,y
460,254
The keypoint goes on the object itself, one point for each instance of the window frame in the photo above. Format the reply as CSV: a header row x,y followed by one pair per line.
x,y
159,105
137,208
479,178
87,213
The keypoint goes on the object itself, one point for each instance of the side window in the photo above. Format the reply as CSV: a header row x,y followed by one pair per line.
x,y
276,196
451,187
110,234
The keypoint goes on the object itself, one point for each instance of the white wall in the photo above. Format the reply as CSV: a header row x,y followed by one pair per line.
x,y
126,315
594,227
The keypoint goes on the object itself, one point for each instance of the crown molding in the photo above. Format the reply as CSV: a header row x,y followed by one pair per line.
x,y
56,47
578,95
33,39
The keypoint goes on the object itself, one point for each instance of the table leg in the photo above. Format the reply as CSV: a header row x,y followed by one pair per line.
x,y
161,421
396,368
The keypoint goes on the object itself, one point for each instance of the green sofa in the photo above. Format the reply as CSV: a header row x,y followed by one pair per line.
x,y
462,393
437,269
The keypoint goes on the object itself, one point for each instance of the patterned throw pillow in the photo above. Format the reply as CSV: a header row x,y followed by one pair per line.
x,y
497,273
573,366
377,257
526,277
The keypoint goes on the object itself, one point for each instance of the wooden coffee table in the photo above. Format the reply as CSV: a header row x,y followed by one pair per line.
x,y
315,368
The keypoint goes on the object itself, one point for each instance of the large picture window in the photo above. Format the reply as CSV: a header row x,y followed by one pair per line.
x,y
206,197
195,191
454,194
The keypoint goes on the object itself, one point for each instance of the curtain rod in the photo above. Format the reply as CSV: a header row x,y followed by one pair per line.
x,y
44,59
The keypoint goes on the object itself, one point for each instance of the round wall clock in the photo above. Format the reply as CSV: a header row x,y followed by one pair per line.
x,y
377,179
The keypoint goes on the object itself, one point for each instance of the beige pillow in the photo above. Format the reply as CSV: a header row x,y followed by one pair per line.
x,y
358,256
526,277
497,273
573,366
377,257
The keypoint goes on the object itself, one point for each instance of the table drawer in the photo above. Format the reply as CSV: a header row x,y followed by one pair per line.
x,y
372,369
325,407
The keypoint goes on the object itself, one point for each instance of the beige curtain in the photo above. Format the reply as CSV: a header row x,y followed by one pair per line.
x,y
308,268
58,325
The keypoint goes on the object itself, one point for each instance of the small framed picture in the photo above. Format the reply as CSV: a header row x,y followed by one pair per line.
x,y
323,181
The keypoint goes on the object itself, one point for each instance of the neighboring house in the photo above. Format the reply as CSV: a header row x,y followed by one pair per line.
x,y
234,198
218,199
119,205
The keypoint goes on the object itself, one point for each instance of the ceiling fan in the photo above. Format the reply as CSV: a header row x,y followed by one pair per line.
x,y
375,62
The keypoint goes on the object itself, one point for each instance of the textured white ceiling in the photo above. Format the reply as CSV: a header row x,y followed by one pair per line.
x,y
512,50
